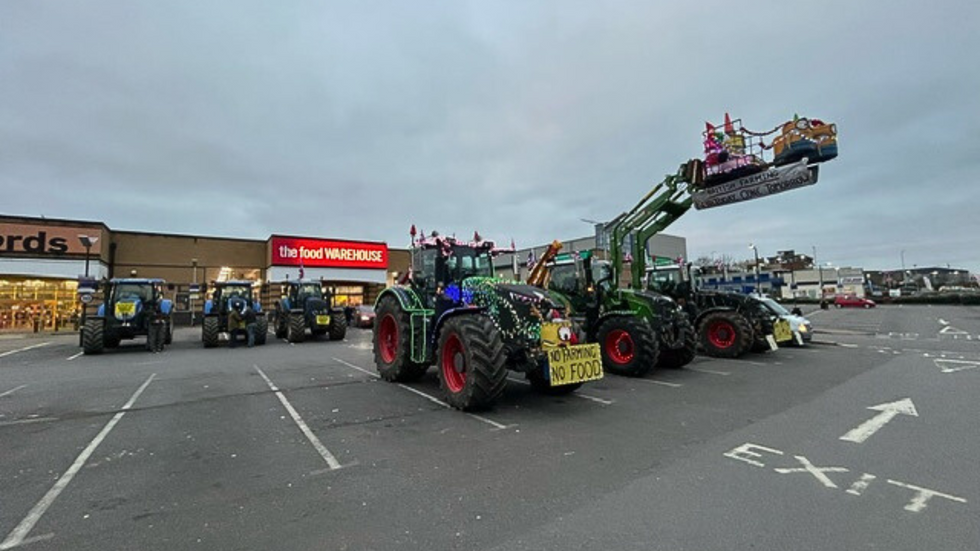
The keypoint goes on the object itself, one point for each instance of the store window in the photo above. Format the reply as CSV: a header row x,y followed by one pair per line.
x,y
38,304
348,295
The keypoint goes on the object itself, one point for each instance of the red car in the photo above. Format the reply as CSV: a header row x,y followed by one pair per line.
x,y
853,301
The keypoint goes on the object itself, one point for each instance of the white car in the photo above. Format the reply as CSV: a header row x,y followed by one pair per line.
x,y
799,325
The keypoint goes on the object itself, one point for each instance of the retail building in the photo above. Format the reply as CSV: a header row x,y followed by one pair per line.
x,y
41,261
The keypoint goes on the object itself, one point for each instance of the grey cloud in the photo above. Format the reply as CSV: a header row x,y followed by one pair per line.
x,y
515,118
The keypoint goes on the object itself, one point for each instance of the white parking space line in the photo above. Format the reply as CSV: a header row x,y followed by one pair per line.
x,y
709,371
16,537
28,421
428,397
73,356
847,345
25,349
317,445
11,391
661,383
596,399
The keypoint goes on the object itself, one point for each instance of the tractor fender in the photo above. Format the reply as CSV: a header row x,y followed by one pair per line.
x,y
407,298
166,306
612,314
101,311
702,313
208,306
451,313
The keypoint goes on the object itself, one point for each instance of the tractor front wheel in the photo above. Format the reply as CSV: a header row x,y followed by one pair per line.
x,y
629,346
338,327
472,362
393,343
209,332
261,329
282,328
725,334
93,336
296,331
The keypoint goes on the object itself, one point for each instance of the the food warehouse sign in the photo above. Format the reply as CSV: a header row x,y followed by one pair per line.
x,y
326,253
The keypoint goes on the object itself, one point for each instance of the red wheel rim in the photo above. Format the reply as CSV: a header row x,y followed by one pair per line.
x,y
453,364
388,339
619,346
721,334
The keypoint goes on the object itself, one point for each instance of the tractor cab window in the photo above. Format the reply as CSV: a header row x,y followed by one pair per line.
x,y
468,262
131,291
241,292
664,279
565,278
307,290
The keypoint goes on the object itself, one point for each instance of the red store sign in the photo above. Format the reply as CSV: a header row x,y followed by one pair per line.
x,y
324,253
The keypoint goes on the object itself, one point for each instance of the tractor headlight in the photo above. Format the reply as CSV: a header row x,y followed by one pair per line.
x,y
803,328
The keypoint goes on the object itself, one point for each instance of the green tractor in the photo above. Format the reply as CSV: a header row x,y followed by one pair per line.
x,y
228,296
305,306
637,330
131,308
450,310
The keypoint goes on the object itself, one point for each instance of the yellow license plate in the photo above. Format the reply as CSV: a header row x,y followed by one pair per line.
x,y
322,320
125,309
574,364
782,331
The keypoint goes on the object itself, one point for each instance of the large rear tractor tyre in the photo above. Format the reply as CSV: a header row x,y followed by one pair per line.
x,y
296,329
393,343
472,362
725,335
338,327
540,384
629,346
93,336
261,329
282,328
209,332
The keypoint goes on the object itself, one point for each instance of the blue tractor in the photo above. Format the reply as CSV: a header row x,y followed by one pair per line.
x,y
306,306
228,296
131,308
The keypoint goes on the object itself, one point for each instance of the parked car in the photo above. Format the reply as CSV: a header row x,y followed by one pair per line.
x,y
799,325
364,316
853,301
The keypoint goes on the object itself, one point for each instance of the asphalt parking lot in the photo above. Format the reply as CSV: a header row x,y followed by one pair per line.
x,y
302,447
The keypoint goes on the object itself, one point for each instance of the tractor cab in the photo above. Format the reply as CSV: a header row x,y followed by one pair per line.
x,y
436,268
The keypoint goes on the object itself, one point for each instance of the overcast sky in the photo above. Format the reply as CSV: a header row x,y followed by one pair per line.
x,y
517,118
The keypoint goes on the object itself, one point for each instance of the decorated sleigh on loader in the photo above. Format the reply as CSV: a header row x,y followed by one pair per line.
x,y
735,166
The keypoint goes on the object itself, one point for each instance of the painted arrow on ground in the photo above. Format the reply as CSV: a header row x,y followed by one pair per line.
x,y
888,412
952,366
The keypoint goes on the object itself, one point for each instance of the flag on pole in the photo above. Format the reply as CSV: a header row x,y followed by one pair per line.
x,y
301,271
531,259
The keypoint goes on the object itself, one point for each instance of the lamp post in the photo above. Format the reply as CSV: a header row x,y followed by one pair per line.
x,y
758,286
87,241
190,300
819,272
